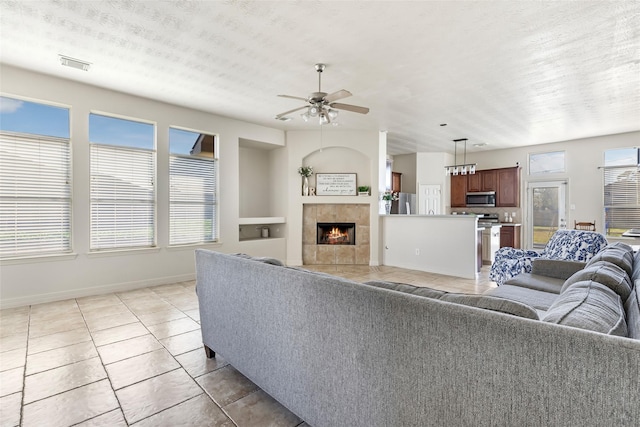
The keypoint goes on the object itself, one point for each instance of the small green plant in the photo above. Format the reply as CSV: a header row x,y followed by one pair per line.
x,y
305,171
363,189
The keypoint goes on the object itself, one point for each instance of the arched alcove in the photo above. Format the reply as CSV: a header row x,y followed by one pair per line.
x,y
340,160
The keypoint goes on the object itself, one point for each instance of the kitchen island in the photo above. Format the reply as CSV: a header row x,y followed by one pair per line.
x,y
443,244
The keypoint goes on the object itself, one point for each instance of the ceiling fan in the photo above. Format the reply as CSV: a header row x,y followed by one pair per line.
x,y
321,104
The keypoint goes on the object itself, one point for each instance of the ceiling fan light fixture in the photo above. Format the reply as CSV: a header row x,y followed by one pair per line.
x,y
305,116
319,103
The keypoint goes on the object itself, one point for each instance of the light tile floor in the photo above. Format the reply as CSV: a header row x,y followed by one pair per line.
x,y
136,358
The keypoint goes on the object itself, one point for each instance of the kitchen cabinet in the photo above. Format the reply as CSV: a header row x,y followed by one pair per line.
x,y
482,180
505,182
490,243
458,191
508,187
396,182
510,236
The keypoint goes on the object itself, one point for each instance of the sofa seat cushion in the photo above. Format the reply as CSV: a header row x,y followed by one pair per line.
x,y
616,253
605,273
589,305
632,308
479,301
537,299
537,282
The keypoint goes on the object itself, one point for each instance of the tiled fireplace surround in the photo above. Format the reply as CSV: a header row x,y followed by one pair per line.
x,y
313,253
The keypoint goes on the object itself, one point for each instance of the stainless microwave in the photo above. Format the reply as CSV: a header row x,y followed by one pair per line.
x,y
482,199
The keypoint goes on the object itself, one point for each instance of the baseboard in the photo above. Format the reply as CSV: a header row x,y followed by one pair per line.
x,y
97,290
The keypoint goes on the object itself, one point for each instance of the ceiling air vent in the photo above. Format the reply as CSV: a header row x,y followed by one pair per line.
x,y
74,63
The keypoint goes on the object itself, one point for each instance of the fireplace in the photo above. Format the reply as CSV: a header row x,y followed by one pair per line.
x,y
336,233
315,252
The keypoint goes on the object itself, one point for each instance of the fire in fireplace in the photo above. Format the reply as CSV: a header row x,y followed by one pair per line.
x,y
336,233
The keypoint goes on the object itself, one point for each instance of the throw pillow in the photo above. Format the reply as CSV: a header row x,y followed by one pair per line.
x,y
501,305
616,253
605,273
589,305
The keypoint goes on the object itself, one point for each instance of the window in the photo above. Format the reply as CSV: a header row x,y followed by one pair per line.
x,y
192,181
621,191
35,179
122,183
545,163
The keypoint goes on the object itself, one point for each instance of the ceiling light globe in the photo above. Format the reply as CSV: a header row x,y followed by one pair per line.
x,y
313,111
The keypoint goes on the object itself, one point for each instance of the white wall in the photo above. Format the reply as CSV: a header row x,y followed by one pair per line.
x,y
339,152
442,244
430,171
406,165
85,273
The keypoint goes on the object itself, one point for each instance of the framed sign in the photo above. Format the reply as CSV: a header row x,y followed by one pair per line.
x,y
336,184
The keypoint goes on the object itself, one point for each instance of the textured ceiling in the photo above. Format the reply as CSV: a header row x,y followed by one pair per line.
x,y
503,73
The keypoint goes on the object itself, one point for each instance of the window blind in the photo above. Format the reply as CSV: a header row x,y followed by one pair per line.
x,y
122,197
35,195
621,198
193,207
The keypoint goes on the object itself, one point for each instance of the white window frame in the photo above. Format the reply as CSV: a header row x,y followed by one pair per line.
x,y
533,156
35,193
98,200
633,170
194,201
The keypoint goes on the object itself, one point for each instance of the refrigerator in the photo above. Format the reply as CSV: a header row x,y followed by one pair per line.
x,y
405,205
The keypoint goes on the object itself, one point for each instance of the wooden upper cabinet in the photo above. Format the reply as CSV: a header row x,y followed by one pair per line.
x,y
505,182
396,182
488,180
458,191
474,182
484,180
508,188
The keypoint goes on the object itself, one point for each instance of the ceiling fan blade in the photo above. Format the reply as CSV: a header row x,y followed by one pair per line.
x,y
348,107
290,111
337,95
294,97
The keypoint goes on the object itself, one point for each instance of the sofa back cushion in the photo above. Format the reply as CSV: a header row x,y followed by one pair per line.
x,y
589,305
635,273
632,308
486,302
408,289
605,273
616,253
501,305
576,245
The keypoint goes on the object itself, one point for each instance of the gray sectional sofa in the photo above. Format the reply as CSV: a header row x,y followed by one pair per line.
x,y
340,353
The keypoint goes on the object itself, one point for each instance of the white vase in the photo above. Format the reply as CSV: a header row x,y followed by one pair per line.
x,y
305,186
387,206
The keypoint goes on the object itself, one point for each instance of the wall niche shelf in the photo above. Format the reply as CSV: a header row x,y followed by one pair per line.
x,y
267,220
251,228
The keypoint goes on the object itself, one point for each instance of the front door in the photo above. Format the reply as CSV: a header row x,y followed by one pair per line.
x,y
547,211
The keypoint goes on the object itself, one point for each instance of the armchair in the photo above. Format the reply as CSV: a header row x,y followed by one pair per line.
x,y
572,245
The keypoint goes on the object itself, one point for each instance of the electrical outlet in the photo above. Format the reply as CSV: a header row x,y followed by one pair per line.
x,y
417,251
